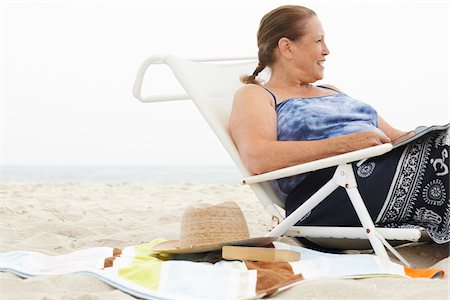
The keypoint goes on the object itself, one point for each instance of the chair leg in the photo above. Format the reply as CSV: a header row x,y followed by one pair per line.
x,y
345,177
303,209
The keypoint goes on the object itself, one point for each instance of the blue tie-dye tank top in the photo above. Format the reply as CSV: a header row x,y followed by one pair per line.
x,y
317,118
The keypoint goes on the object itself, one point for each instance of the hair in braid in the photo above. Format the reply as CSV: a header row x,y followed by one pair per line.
x,y
252,78
285,21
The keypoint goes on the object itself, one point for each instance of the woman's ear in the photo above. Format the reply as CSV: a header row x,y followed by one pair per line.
x,y
285,47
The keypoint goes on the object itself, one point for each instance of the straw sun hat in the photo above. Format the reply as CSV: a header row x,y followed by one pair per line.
x,y
209,228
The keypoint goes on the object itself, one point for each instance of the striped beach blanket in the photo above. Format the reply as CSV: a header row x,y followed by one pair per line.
x,y
140,272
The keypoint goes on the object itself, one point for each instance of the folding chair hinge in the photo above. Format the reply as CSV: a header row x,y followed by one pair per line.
x,y
275,221
345,177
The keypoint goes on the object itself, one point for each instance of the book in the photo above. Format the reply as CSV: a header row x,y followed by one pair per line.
x,y
417,133
259,254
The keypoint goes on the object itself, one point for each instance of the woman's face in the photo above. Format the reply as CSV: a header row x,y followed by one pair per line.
x,y
309,52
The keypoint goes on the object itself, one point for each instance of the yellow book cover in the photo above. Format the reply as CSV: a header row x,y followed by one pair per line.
x,y
259,254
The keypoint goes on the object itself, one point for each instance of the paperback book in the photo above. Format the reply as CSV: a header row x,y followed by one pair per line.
x,y
417,133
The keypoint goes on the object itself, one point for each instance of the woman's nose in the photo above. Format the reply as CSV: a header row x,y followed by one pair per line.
x,y
325,50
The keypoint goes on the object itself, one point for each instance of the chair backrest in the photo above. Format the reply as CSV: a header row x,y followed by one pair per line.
x,y
211,86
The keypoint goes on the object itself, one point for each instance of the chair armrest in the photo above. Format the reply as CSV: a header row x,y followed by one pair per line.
x,y
319,164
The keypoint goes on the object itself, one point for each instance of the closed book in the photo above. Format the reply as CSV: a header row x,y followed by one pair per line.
x,y
259,254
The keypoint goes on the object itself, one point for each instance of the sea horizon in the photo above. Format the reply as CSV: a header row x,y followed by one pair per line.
x,y
120,173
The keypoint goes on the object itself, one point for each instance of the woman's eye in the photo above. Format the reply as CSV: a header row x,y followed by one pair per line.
x,y
318,41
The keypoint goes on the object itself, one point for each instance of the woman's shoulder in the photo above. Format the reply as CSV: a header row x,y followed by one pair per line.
x,y
250,88
250,91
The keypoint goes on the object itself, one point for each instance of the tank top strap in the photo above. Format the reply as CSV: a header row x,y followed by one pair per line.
x,y
329,88
274,98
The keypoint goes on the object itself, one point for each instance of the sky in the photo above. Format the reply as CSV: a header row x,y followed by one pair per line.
x,y
68,67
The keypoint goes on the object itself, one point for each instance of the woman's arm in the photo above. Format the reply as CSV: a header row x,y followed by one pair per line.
x,y
253,128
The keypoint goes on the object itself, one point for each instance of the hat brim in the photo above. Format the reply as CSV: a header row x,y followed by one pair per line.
x,y
174,247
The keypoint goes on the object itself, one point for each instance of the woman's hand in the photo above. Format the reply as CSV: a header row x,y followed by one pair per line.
x,y
361,140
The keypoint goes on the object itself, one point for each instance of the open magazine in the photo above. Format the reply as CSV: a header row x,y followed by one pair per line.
x,y
418,132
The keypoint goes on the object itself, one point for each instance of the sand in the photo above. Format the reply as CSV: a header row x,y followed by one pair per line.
x,y
57,218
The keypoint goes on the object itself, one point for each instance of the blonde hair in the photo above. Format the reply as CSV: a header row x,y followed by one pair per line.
x,y
285,21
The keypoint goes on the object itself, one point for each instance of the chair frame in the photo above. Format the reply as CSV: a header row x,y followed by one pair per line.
x,y
343,177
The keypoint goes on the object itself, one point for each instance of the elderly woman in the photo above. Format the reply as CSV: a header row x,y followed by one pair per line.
x,y
288,121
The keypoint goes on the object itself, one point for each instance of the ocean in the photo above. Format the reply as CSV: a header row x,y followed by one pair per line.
x,y
159,174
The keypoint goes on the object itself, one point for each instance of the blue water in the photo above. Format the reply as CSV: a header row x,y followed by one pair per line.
x,y
159,174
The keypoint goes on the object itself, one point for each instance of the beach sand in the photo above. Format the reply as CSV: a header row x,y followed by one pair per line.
x,y
57,218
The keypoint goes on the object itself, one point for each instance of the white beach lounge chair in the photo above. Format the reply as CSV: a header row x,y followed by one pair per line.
x,y
211,84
